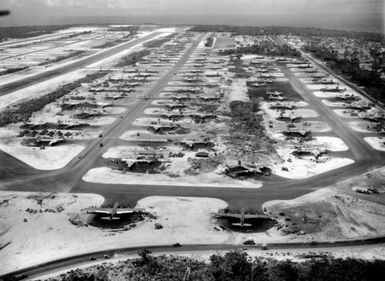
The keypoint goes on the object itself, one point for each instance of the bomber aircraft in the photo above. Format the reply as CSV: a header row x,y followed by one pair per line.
x,y
115,212
242,216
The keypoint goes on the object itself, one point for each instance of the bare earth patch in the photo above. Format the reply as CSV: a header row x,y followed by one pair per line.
x,y
336,212
50,158
109,176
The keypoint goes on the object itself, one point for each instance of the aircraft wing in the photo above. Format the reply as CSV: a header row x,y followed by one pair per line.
x,y
100,211
246,216
250,216
107,211
122,211
228,215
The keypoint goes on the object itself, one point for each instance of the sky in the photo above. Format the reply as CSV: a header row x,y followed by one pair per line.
x,y
342,14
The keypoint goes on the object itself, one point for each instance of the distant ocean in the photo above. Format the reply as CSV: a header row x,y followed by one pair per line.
x,y
351,22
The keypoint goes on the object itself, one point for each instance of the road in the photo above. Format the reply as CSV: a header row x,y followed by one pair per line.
x,y
49,74
66,264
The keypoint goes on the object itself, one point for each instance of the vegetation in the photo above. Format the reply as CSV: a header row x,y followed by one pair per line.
x,y
115,42
350,69
245,119
12,70
265,48
61,58
126,28
199,166
18,32
233,266
23,111
276,30
62,37
132,58
132,29
158,42
247,137
209,42
137,56
239,69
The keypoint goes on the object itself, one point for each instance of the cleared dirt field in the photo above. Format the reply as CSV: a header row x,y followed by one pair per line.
x,y
222,42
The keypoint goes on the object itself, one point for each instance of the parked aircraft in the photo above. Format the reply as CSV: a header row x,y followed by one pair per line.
x,y
304,66
242,216
115,212
324,81
336,89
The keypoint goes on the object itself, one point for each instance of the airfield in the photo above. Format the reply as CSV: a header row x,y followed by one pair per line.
x,y
161,134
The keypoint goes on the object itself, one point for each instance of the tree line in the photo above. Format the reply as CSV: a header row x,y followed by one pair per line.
x,y
265,48
298,31
351,70
23,111
18,32
233,266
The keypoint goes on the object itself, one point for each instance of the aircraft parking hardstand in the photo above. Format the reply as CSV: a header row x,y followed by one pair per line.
x,y
114,137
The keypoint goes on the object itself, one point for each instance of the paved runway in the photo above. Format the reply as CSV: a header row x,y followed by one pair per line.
x,y
46,75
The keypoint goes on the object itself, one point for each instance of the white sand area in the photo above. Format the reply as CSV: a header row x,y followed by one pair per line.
x,y
108,176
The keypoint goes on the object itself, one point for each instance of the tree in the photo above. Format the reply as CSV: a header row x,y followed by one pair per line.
x,y
234,266
283,271
145,257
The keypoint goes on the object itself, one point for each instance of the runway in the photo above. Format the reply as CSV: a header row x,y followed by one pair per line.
x,y
49,74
